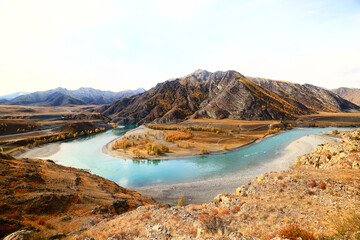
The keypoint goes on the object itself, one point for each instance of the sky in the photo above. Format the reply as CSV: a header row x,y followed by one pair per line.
x,y
118,45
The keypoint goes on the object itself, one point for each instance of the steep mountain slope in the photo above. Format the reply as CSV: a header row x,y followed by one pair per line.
x,y
312,97
204,94
168,101
350,94
231,95
64,97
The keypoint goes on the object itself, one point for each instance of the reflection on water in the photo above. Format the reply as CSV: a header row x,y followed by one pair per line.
x,y
86,153
153,162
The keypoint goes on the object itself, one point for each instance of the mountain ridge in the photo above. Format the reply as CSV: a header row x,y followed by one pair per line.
x,y
64,97
309,95
218,95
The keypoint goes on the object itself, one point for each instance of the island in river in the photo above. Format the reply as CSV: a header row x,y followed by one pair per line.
x,y
190,138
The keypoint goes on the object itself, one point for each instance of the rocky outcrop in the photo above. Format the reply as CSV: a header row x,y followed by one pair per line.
x,y
344,155
19,235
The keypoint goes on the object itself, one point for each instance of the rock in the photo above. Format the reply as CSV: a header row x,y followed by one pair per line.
x,y
157,231
356,165
36,177
100,210
241,191
67,218
120,205
222,199
19,235
238,236
77,180
58,236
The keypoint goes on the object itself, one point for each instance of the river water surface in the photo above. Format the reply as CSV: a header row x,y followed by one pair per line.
x,y
87,153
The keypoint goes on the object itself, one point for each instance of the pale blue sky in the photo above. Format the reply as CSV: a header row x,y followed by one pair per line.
x,y
117,45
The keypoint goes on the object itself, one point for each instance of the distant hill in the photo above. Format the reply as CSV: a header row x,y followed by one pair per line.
x,y
351,94
218,95
3,101
64,97
13,95
313,97
6,98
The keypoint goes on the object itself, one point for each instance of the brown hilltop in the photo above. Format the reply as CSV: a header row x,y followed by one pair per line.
x,y
219,95
350,94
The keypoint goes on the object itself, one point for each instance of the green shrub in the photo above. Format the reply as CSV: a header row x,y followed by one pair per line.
x,y
181,201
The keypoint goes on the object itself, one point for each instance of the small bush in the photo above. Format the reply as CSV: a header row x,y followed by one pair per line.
x,y
335,132
181,201
235,209
41,222
347,224
164,148
322,186
213,223
294,232
146,215
312,183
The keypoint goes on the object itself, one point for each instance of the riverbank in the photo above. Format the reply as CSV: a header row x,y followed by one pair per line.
x,y
39,152
201,191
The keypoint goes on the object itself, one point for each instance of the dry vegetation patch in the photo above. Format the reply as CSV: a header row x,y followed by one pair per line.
x,y
193,137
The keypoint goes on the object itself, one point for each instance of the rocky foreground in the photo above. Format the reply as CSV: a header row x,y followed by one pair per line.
x,y
318,198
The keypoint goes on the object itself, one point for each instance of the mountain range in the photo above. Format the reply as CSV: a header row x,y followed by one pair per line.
x,y
219,95
351,94
13,95
65,97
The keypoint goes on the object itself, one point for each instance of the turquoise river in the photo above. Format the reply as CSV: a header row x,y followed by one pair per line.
x,y
87,153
